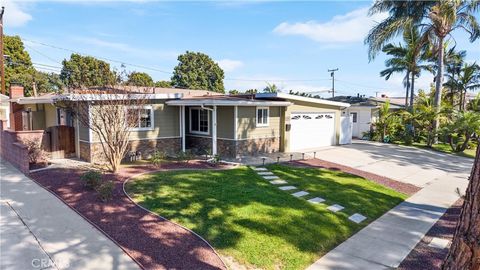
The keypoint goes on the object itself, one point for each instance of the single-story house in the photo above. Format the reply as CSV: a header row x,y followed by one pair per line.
x,y
364,111
175,120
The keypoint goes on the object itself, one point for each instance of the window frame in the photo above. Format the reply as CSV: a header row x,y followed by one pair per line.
x,y
200,109
152,117
257,124
354,118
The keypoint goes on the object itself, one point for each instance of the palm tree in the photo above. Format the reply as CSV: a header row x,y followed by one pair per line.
x,y
409,59
453,65
436,19
271,88
468,80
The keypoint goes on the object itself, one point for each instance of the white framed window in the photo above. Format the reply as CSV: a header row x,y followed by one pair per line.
x,y
199,121
262,116
142,117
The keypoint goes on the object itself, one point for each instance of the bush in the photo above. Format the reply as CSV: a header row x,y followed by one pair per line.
x,y
215,160
92,179
157,158
105,190
35,151
185,156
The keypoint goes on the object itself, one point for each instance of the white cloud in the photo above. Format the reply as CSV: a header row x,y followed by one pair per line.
x,y
103,43
348,28
260,81
229,65
15,13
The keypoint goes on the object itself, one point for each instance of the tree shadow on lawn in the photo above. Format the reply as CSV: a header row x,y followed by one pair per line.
x,y
237,209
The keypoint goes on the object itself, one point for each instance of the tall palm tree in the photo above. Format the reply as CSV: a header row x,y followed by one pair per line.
x,y
468,79
436,19
410,58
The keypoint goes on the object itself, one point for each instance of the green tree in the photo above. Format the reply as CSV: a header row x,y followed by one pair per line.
x,y
460,129
271,88
467,79
437,19
234,92
197,70
454,61
140,79
163,84
86,71
386,125
48,82
407,58
251,91
18,65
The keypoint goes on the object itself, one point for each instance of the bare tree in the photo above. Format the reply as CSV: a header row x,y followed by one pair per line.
x,y
111,113
465,250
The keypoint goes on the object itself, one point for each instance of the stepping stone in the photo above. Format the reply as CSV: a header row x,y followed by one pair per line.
x,y
278,182
265,173
316,200
300,193
287,187
270,177
335,208
259,169
439,243
357,218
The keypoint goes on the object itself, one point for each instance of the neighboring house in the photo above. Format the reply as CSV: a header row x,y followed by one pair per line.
x,y
175,120
364,111
5,110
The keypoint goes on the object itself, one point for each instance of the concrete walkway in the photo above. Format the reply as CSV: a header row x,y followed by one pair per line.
x,y
38,231
384,243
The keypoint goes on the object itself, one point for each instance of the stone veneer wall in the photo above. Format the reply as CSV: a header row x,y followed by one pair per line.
x,y
254,147
94,152
199,145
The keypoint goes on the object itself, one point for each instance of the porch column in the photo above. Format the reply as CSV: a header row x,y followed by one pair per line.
x,y
182,126
214,130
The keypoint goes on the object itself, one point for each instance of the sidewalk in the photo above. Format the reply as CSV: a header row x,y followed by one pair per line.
x,y
38,231
384,243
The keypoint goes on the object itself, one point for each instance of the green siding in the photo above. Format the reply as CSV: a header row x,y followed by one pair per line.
x,y
247,128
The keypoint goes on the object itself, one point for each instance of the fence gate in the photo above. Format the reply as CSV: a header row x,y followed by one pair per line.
x,y
62,141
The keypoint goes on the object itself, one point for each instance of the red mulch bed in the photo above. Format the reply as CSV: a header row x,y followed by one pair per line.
x,y
385,181
425,257
152,242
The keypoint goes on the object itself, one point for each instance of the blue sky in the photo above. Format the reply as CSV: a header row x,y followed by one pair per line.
x,y
291,44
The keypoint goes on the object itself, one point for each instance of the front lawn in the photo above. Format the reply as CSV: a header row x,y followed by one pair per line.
x,y
444,148
251,220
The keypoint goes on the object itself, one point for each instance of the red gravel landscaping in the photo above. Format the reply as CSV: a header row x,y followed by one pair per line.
x,y
385,181
152,242
425,257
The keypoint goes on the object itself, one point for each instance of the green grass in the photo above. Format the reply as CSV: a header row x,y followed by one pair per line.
x,y
246,217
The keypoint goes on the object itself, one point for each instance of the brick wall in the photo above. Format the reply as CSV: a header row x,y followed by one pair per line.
x,y
13,151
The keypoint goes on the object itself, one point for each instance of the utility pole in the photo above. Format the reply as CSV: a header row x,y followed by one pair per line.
x,y
332,74
2,59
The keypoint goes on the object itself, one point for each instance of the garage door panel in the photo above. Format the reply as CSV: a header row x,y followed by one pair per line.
x,y
310,130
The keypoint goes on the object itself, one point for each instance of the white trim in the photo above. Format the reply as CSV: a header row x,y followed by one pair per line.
x,y
256,117
217,102
235,122
152,116
190,122
138,139
300,98
214,130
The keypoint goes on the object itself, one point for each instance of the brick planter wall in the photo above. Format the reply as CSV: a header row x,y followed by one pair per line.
x,y
13,151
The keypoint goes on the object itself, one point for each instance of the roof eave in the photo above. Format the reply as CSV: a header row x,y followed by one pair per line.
x,y
300,98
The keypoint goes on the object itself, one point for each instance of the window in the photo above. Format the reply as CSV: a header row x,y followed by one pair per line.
x,y
199,120
142,118
354,116
262,117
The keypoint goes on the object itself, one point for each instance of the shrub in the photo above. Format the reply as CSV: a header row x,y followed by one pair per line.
x,y
105,190
157,158
92,179
215,160
185,156
35,151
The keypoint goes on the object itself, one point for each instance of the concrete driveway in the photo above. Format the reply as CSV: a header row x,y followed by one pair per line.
x,y
385,242
406,164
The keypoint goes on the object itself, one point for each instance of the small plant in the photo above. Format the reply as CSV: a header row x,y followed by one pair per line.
x,y
92,179
105,190
35,152
185,156
157,158
215,160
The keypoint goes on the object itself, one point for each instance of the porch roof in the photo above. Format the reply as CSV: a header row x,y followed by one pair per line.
x,y
283,96
226,101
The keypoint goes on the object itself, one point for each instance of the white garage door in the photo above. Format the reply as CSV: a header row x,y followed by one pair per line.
x,y
309,130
